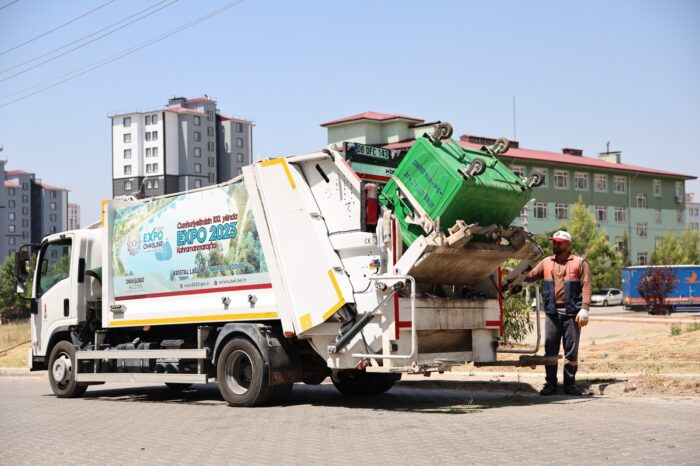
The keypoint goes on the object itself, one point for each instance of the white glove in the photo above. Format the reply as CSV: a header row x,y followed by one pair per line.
x,y
582,318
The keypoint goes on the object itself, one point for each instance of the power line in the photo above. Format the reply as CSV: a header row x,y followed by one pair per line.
x,y
99,64
86,43
54,29
8,4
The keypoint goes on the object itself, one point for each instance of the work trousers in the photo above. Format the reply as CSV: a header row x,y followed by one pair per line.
x,y
560,327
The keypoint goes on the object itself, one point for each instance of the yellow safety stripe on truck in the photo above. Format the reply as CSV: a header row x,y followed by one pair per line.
x,y
104,211
184,320
305,320
283,161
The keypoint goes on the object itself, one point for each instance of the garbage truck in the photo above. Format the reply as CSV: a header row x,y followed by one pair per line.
x,y
295,271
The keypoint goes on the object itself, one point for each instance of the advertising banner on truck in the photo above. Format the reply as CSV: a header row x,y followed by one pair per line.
x,y
189,243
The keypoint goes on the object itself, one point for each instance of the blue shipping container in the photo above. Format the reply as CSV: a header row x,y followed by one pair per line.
x,y
684,297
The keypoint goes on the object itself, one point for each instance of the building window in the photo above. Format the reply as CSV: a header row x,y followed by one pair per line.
x,y
239,171
11,240
52,217
523,212
148,119
561,211
540,210
148,168
210,145
25,223
211,162
679,216
154,135
197,136
148,135
25,210
127,186
679,189
11,191
127,153
25,235
601,213
197,151
198,168
149,184
11,228
25,197
211,178
53,206
620,184
197,121
641,200
148,151
155,152
11,216
154,119
127,169
519,171
642,258
126,122
695,225
581,181
657,188
642,230
210,115
620,214
11,203
239,156
52,194
53,230
156,184
155,167
601,183
210,131
239,142
239,127
127,138
657,216
197,183
561,179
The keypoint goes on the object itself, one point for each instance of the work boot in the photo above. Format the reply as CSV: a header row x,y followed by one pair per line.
x,y
572,390
548,389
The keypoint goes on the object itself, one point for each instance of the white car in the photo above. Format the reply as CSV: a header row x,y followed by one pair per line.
x,y
607,297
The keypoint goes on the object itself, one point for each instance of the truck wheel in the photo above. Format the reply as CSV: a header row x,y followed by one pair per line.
x,y
354,382
240,372
62,371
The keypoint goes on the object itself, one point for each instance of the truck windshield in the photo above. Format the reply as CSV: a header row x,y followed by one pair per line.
x,y
54,265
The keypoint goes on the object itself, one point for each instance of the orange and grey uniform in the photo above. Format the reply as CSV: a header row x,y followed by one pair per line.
x,y
567,289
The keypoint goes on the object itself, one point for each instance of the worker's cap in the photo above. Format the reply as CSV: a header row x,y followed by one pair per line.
x,y
561,236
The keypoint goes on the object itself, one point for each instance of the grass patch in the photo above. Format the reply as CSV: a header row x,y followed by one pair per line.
x,y
14,333
677,329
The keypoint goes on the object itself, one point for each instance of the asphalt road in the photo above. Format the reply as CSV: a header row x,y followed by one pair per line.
x,y
136,424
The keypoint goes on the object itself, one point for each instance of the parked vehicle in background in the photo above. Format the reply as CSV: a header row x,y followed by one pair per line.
x,y
607,297
684,297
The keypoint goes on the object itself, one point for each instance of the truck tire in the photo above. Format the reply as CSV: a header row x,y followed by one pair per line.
x,y
240,372
62,371
355,383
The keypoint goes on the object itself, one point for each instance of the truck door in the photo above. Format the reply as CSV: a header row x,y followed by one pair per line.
x,y
53,289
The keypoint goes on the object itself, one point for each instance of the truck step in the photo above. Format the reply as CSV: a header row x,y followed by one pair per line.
x,y
140,377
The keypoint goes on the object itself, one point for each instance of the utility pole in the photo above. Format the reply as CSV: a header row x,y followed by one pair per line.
x,y
515,135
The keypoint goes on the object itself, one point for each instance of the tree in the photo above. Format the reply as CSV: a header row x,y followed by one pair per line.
x,y
689,243
667,251
592,244
10,302
625,250
655,286
516,313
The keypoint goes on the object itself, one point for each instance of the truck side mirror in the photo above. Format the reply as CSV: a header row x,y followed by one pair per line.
x,y
23,270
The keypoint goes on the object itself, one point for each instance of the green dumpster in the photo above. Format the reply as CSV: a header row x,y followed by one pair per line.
x,y
451,183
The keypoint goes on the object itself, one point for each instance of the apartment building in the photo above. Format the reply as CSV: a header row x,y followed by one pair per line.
x,y
642,202
692,211
73,216
187,145
31,209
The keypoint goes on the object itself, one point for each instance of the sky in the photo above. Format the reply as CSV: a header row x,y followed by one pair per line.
x,y
582,74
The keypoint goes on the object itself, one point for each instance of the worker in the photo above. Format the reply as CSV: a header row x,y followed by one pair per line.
x,y
566,297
